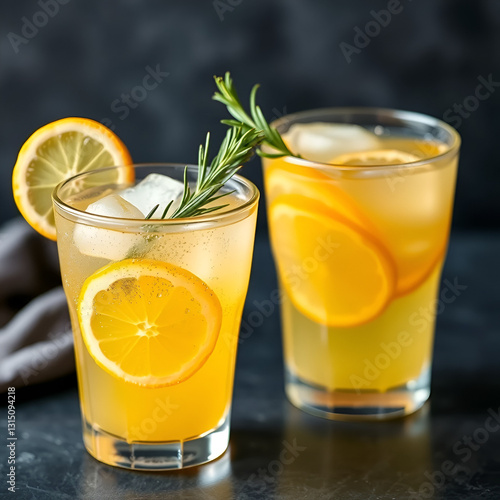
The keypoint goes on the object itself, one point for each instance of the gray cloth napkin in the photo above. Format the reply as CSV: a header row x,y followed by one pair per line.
x,y
36,343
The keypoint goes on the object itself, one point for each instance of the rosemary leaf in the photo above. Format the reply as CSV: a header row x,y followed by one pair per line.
x,y
227,95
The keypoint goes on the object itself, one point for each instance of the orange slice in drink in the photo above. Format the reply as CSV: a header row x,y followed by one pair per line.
x,y
375,157
148,322
415,257
282,177
334,271
56,152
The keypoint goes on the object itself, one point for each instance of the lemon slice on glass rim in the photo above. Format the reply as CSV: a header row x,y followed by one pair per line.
x,y
56,152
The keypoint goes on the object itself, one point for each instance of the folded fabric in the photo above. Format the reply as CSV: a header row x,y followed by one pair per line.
x,y
36,343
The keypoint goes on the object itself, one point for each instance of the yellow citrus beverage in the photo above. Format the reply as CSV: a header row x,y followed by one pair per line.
x,y
155,307
359,228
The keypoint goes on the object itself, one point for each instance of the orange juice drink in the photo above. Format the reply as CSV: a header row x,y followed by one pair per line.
x,y
155,308
359,228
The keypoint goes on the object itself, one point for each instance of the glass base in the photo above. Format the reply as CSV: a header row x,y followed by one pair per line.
x,y
112,450
358,405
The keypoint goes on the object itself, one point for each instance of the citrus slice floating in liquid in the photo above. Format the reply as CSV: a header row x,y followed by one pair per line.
x,y
148,322
283,177
413,265
334,271
382,157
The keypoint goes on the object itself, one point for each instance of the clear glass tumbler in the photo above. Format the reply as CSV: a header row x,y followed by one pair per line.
x,y
359,229
155,307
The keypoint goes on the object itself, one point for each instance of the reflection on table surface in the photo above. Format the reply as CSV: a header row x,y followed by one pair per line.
x,y
212,480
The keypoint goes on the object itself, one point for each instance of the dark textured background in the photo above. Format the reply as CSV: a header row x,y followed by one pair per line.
x,y
428,58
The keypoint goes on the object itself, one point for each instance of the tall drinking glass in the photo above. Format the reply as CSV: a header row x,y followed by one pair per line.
x,y
155,308
359,230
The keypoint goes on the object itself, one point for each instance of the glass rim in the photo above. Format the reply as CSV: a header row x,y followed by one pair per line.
x,y
213,218
407,116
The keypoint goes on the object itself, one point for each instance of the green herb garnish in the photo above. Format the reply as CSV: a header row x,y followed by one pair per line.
x,y
236,148
255,120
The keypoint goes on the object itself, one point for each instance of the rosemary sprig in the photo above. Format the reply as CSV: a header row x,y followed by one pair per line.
x,y
227,95
236,148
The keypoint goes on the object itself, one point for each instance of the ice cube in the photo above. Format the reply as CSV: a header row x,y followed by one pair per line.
x,y
152,190
324,141
114,205
107,243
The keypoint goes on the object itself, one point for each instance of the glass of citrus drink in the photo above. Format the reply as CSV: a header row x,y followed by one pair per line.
x,y
155,306
359,223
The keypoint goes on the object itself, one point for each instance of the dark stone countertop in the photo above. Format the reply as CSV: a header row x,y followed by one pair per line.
x,y
443,451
